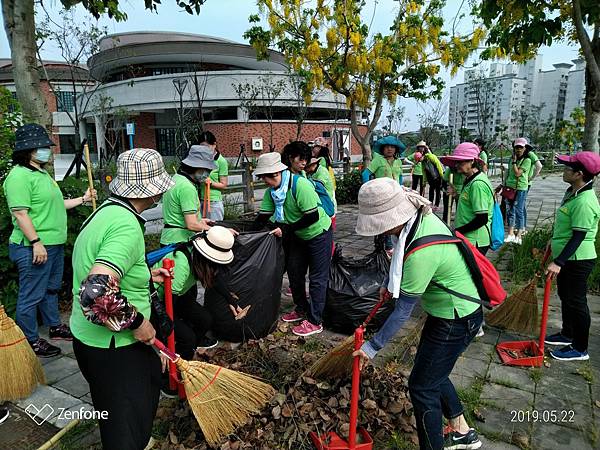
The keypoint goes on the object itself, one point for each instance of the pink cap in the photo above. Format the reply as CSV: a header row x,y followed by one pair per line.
x,y
522,142
589,160
463,152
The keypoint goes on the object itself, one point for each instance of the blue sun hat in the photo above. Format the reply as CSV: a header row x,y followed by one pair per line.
x,y
389,140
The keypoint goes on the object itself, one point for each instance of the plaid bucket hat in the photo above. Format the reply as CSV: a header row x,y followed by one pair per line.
x,y
140,174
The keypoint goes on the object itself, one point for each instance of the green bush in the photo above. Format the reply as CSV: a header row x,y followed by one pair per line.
x,y
347,187
594,280
525,259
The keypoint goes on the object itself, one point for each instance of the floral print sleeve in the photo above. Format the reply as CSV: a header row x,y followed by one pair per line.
x,y
103,303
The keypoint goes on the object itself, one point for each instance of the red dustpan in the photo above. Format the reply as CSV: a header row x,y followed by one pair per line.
x,y
527,353
331,440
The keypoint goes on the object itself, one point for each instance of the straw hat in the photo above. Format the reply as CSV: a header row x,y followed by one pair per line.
x,y
140,174
465,151
383,204
215,245
320,141
269,163
200,157
315,161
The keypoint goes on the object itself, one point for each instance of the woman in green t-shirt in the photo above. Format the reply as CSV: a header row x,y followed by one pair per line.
x,y
181,205
476,199
297,215
36,244
110,319
217,181
574,254
518,179
387,160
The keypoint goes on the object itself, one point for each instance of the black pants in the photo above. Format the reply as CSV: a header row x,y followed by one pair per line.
x,y
435,190
572,291
483,250
313,256
417,181
124,382
446,202
432,393
192,322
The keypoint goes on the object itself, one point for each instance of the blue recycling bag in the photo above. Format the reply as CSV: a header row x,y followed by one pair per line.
x,y
497,234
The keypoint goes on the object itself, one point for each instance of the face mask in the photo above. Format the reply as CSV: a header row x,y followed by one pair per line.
x,y
43,155
201,177
155,201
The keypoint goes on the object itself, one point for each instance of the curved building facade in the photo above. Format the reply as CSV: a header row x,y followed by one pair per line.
x,y
168,84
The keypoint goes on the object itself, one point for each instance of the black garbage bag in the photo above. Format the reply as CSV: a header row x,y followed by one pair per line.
x,y
354,291
255,276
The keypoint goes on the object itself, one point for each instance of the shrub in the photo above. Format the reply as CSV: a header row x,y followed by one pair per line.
x,y
347,187
525,258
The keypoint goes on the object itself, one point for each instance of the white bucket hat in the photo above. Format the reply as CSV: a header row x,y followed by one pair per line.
x,y
140,174
383,204
269,163
215,245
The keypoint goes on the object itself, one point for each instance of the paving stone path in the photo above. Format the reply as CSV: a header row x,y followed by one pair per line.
x,y
555,407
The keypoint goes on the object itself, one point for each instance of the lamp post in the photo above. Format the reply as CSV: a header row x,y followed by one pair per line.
x,y
180,85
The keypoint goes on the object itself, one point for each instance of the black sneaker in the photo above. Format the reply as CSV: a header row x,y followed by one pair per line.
x,y
557,339
456,441
4,413
61,332
207,342
44,349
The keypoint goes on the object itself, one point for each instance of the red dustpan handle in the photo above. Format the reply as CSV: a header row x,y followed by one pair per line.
x,y
358,341
378,305
547,289
169,264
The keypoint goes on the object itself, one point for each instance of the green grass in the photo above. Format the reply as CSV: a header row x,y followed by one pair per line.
x,y
70,440
536,374
152,242
313,345
397,441
586,372
470,398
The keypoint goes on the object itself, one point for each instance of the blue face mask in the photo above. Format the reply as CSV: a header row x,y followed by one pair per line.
x,y
43,154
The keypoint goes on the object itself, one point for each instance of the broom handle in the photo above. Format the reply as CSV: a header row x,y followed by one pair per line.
x,y
88,166
173,357
358,341
547,289
378,305
169,264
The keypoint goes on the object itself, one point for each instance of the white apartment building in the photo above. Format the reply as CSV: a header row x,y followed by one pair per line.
x,y
503,95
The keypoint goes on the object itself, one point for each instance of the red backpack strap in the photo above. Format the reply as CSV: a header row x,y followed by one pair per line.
x,y
426,241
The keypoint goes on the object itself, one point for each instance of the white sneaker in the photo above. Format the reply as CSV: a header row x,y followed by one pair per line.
x,y
480,332
509,238
518,240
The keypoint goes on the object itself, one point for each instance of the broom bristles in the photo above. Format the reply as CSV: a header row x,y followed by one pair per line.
x,y
21,369
519,313
336,363
222,399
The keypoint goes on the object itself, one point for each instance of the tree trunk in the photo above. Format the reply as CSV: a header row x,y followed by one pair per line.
x,y
20,30
591,130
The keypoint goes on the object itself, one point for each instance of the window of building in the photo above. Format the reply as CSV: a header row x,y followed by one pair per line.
x,y
68,143
65,101
166,141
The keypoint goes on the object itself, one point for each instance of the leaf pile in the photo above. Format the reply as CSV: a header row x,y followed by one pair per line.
x,y
302,404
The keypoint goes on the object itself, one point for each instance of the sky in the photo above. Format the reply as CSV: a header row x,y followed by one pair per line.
x,y
229,19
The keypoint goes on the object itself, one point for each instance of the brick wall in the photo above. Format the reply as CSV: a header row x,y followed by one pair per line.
x,y
145,134
231,135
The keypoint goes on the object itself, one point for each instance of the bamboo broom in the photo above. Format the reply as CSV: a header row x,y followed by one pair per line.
x,y
338,362
21,369
221,399
519,313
